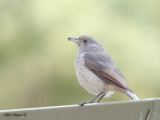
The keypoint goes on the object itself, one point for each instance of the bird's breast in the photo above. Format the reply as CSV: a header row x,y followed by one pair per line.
x,y
91,82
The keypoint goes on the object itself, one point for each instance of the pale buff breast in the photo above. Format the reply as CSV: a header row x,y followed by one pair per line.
x,y
87,79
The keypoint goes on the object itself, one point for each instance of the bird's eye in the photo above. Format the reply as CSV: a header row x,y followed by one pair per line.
x,y
85,41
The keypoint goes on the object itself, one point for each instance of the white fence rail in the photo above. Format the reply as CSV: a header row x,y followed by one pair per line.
x,y
144,109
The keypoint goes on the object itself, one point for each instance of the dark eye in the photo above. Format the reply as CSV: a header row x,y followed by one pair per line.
x,y
85,41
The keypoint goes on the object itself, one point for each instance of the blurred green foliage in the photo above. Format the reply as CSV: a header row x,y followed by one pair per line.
x,y
36,59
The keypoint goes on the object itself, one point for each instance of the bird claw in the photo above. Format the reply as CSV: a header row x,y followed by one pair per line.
x,y
82,104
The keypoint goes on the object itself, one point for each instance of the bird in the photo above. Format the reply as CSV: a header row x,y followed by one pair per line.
x,y
96,70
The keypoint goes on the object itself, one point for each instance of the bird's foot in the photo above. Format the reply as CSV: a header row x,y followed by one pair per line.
x,y
82,104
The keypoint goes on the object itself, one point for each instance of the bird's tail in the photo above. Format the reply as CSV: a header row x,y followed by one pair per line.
x,y
132,95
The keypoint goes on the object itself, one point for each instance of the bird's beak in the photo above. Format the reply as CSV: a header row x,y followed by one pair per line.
x,y
73,39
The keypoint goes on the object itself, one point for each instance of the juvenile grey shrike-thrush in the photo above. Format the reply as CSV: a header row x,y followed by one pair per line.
x,y
96,70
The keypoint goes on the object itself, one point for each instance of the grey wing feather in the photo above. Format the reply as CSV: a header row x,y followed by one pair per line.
x,y
104,67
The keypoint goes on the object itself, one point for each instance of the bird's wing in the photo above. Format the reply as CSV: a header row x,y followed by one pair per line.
x,y
104,67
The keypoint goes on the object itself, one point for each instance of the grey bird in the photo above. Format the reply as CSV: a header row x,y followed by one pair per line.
x,y
96,70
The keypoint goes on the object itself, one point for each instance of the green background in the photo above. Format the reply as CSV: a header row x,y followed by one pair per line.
x,y
37,60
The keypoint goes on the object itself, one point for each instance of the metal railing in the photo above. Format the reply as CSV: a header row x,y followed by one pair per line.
x,y
144,109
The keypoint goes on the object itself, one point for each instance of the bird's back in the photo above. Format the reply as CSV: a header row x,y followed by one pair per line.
x,y
101,64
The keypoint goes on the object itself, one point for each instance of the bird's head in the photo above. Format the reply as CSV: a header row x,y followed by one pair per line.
x,y
85,42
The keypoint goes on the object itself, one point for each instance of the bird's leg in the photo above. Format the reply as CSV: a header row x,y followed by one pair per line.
x,y
82,104
96,97
101,97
